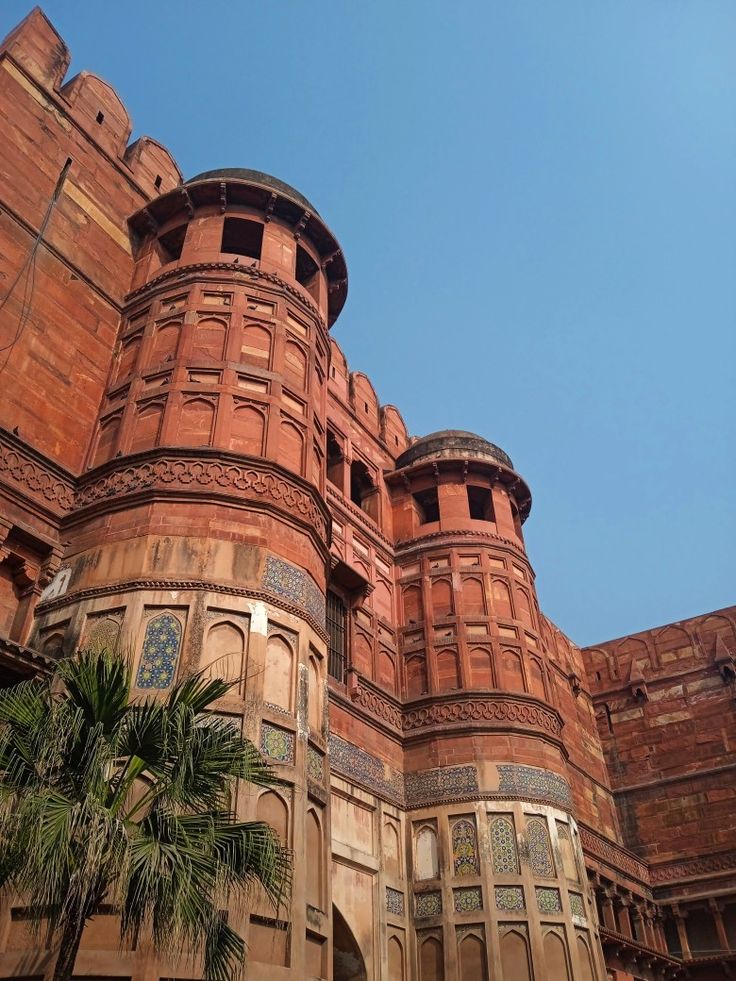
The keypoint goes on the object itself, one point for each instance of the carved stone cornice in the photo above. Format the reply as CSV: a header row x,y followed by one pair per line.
x,y
614,855
181,585
251,272
488,711
36,477
446,713
693,868
205,473
408,545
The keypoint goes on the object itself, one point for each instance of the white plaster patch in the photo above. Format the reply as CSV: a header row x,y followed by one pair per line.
x,y
58,585
259,618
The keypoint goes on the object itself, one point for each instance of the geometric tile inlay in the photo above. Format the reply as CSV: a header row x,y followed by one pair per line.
x,y
464,857
548,900
510,898
531,782
576,904
160,651
427,904
315,764
440,783
467,899
277,744
354,763
538,847
503,847
286,580
394,901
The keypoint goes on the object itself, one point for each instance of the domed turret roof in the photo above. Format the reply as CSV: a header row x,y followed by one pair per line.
x,y
453,443
254,177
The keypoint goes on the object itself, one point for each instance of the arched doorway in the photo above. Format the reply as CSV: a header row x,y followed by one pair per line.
x,y
347,960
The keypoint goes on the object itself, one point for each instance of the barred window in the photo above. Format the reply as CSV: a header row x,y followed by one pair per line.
x,y
337,631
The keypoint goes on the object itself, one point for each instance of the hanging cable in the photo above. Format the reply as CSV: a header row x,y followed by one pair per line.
x,y
29,267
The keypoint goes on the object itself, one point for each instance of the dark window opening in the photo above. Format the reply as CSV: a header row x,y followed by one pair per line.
x,y
100,117
363,491
157,182
337,617
306,272
335,460
240,236
428,505
672,936
480,502
171,243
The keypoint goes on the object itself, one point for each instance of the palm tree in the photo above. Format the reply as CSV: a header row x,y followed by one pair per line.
x,y
106,798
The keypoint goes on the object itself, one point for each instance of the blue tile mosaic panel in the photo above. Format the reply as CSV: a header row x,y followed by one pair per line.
x,y
530,782
467,900
539,848
394,901
354,763
277,744
576,904
294,585
548,900
464,849
510,898
315,765
160,651
440,784
427,904
503,847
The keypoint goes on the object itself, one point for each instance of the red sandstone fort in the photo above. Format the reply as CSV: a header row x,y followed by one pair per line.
x,y
187,464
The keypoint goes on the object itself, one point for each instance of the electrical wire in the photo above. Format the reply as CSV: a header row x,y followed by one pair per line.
x,y
28,269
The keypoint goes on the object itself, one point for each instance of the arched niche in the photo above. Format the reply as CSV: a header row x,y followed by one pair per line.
x,y
536,678
106,440
524,607
412,603
481,668
585,959
431,960
295,365
473,962
196,422
278,672
224,652
395,951
416,676
209,339
512,673
556,962
474,601
315,696
147,426
387,671
426,859
515,956
315,850
347,960
246,430
448,671
256,345
441,598
165,343
291,446
501,595
391,849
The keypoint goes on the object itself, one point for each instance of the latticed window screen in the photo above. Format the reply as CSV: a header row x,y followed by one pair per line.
x,y
337,631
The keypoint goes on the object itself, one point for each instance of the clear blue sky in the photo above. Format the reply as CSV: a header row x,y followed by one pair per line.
x,y
537,201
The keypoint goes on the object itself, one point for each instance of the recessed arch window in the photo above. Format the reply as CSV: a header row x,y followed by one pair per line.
x,y
363,490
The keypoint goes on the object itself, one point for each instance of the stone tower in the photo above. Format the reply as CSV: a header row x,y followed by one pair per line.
x,y
189,469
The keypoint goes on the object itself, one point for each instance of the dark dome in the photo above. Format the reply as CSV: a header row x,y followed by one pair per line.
x,y
453,444
254,177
